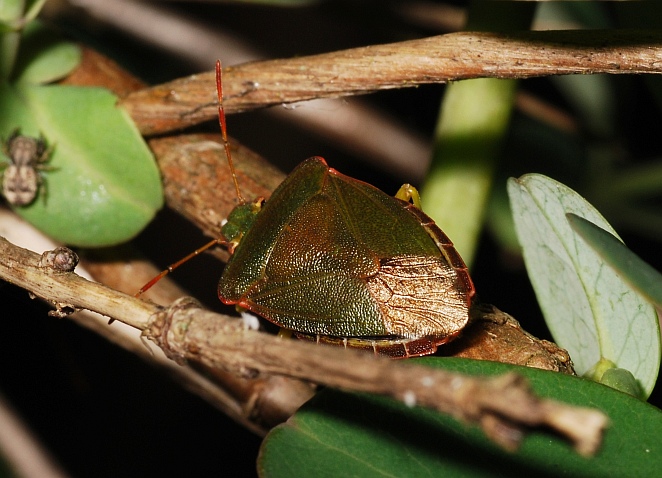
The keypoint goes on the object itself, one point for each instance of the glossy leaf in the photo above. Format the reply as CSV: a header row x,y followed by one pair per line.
x,y
588,308
339,434
104,186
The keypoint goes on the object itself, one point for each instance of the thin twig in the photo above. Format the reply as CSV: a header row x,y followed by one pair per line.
x,y
438,59
189,333
258,404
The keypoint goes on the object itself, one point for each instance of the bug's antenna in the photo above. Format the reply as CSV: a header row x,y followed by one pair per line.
x,y
226,143
224,130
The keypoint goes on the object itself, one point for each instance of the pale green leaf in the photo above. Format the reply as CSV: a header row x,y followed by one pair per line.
x,y
588,307
641,276
104,186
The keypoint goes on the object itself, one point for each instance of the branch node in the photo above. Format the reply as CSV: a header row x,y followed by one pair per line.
x,y
60,259
159,327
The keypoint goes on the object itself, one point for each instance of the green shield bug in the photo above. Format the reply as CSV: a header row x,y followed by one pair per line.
x,y
337,261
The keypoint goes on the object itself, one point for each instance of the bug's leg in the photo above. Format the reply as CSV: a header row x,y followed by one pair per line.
x,y
5,148
45,167
40,167
284,333
409,193
42,186
3,165
44,151
46,156
5,143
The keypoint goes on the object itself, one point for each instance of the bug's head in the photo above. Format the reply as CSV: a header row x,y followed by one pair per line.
x,y
239,221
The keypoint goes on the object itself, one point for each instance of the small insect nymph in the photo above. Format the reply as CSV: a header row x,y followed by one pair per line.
x,y
22,177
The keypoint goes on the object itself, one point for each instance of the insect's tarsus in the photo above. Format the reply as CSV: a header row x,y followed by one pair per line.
x,y
224,132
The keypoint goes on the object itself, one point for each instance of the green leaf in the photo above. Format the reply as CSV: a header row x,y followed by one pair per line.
x,y
44,56
588,307
641,276
339,434
105,186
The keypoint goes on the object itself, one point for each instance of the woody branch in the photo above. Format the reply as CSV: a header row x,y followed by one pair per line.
x,y
440,59
188,333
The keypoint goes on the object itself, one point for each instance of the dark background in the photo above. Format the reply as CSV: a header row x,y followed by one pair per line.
x,y
103,412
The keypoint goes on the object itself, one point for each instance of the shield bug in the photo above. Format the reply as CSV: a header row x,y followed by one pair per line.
x,y
22,178
336,260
